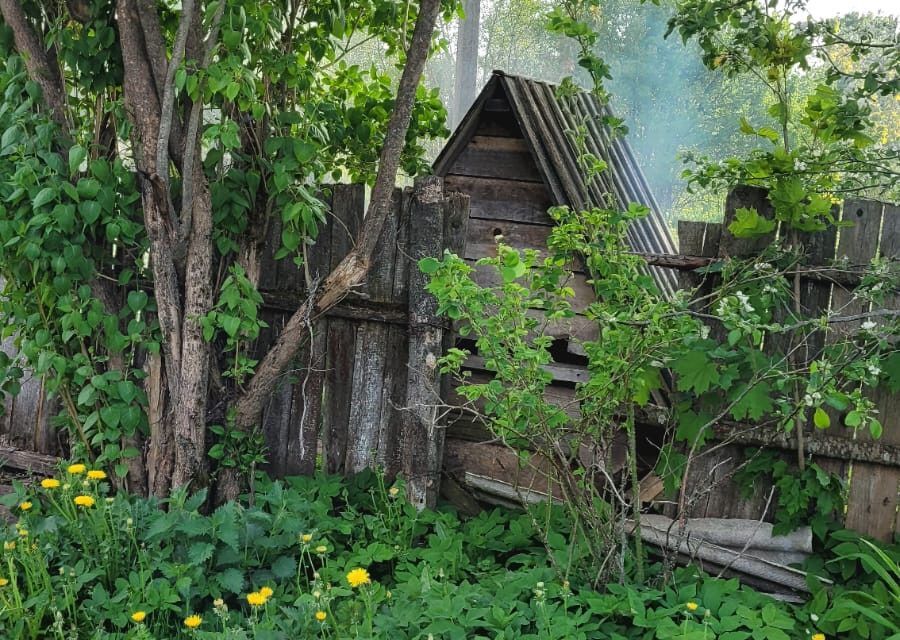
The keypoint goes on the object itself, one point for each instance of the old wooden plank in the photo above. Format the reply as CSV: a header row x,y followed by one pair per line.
x,y
498,123
873,500
484,235
526,211
562,372
301,445
719,467
423,437
494,163
25,422
502,463
348,203
857,244
276,416
498,194
30,461
699,239
397,347
368,417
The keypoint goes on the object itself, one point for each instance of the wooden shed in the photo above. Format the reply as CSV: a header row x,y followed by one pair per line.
x,y
514,154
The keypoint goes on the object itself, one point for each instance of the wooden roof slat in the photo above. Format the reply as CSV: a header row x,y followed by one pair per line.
x,y
544,123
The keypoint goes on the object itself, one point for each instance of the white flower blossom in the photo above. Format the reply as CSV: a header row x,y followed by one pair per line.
x,y
868,325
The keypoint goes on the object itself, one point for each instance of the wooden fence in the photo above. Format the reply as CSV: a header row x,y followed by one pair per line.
x,y
364,389
870,469
367,380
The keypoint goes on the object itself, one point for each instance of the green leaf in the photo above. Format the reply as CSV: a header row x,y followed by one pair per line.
x,y
231,324
429,265
754,403
89,210
748,223
821,418
284,567
137,300
304,151
875,428
77,154
231,580
200,552
695,372
45,195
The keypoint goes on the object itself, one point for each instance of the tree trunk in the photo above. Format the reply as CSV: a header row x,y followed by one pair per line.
x,y
466,76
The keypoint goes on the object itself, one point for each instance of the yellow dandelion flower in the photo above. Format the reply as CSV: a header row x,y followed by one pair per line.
x,y
358,577
691,606
266,592
3,582
76,469
192,622
306,538
256,599
25,506
50,483
321,548
96,474
393,491
9,545
23,533
84,501
321,615
138,616
818,636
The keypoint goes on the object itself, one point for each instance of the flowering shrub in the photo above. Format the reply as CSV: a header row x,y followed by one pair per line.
x,y
336,558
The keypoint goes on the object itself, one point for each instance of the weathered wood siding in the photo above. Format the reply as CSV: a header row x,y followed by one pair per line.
x,y
873,484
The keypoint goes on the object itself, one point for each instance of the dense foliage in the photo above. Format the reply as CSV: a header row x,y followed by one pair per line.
x,y
327,557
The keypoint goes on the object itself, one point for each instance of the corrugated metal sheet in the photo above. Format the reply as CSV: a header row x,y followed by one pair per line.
x,y
547,122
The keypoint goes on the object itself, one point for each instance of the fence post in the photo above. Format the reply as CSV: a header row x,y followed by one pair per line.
x,y
422,438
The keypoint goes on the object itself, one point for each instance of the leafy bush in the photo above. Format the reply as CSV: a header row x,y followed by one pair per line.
x,y
330,557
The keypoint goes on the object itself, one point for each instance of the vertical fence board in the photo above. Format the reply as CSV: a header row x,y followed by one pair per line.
x,y
422,436
716,472
396,370
367,415
872,504
698,239
858,245
306,396
348,202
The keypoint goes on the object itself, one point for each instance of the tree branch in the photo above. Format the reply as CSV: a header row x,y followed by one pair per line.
x,y
354,267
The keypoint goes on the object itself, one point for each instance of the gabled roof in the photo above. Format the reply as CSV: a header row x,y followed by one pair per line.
x,y
545,121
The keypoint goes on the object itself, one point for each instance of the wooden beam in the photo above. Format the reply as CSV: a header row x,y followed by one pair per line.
x,y
29,461
767,435
849,276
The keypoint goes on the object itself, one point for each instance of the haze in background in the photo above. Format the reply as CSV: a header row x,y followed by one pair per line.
x,y
671,103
